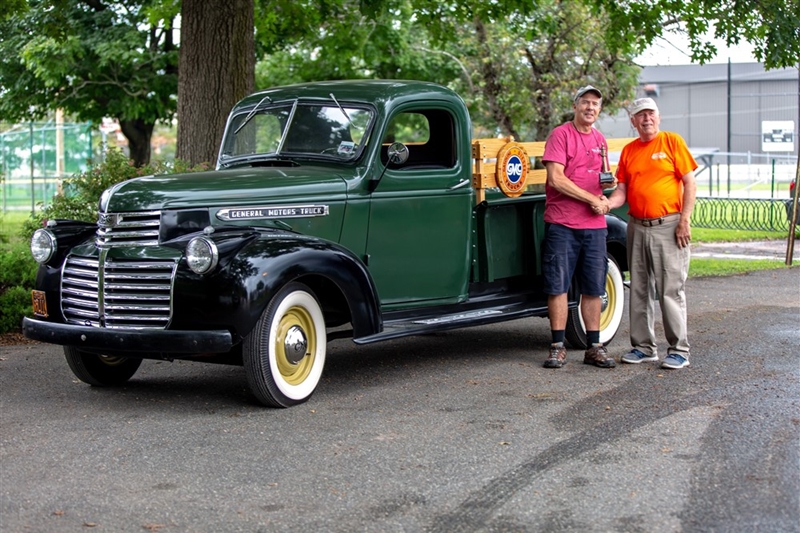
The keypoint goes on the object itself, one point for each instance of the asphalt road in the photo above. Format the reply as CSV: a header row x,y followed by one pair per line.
x,y
463,431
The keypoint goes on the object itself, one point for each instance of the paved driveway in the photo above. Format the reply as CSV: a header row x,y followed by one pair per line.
x,y
463,431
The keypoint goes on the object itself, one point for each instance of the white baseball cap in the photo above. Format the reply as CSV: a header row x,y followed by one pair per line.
x,y
640,104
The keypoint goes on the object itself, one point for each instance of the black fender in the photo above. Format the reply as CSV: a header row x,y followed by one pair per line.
x,y
617,240
256,267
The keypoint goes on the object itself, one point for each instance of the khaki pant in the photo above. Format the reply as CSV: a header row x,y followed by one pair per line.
x,y
659,268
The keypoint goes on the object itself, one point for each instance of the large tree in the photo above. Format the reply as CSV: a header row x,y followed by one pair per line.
x,y
93,59
217,65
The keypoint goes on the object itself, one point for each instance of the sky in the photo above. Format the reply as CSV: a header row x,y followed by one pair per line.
x,y
676,52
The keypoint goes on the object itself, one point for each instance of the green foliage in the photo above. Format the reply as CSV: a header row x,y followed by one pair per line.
x,y
17,276
82,192
772,26
516,64
91,60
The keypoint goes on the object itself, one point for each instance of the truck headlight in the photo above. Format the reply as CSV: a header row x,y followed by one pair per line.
x,y
201,255
43,245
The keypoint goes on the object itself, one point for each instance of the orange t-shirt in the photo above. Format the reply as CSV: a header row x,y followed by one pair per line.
x,y
653,174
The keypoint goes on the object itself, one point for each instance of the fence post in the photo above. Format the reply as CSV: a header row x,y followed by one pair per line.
x,y
33,193
793,218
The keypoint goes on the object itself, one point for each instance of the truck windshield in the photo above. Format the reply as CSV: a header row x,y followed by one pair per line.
x,y
329,131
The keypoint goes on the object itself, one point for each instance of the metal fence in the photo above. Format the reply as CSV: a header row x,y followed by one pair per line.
x,y
36,156
744,174
742,214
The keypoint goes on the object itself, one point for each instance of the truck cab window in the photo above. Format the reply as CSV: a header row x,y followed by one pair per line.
x,y
429,135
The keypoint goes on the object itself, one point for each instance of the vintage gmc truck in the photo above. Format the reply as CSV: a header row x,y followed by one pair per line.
x,y
358,209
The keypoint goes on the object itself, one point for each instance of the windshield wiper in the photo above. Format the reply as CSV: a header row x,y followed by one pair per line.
x,y
251,113
342,110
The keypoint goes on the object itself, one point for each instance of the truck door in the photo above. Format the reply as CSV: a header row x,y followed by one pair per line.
x,y
420,221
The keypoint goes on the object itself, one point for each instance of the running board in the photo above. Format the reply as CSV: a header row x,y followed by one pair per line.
x,y
421,325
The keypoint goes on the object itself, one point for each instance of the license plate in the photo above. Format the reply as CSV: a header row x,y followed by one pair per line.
x,y
39,299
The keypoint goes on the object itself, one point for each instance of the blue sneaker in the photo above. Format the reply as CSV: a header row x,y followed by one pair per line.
x,y
674,360
635,357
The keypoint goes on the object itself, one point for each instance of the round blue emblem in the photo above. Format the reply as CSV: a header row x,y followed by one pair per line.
x,y
514,169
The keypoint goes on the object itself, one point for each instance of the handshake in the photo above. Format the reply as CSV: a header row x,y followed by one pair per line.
x,y
600,205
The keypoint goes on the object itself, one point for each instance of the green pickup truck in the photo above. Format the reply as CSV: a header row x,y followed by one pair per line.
x,y
355,209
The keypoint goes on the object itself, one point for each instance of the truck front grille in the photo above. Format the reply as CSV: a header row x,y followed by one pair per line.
x,y
117,294
128,229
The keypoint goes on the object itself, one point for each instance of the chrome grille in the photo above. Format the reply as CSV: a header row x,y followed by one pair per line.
x,y
123,294
80,302
128,229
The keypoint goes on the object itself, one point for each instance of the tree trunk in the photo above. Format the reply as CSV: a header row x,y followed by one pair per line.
x,y
138,132
216,69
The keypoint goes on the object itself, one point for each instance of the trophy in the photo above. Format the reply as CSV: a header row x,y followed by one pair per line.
x,y
606,178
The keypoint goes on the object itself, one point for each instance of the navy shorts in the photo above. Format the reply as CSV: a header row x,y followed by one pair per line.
x,y
579,252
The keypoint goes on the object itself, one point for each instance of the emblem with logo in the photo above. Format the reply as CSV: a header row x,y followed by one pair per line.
x,y
512,169
272,212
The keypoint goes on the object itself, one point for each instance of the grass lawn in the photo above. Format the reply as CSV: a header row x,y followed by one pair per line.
x,y
702,266
11,223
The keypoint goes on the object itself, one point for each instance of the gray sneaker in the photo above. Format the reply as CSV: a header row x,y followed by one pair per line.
x,y
674,360
635,357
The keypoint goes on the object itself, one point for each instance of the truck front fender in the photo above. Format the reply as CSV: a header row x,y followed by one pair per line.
x,y
265,264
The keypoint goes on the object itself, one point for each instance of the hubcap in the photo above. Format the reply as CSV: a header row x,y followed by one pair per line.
x,y
295,344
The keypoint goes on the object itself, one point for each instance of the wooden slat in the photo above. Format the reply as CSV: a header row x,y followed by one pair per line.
x,y
484,154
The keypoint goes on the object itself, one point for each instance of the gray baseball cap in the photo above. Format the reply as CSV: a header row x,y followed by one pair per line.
x,y
588,89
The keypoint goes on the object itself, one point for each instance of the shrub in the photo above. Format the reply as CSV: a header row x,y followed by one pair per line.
x,y
17,276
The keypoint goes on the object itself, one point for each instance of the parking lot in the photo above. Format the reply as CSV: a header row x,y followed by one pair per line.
x,y
463,431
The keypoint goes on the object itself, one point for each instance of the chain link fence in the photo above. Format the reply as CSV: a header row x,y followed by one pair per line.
x,y
36,156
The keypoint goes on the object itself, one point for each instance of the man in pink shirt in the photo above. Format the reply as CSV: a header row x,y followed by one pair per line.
x,y
575,226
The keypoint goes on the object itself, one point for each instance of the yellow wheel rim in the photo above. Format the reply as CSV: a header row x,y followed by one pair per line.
x,y
609,303
295,361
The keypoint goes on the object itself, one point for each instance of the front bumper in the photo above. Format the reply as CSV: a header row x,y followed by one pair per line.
x,y
128,341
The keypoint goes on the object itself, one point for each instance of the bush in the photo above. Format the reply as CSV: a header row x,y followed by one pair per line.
x,y
17,276
82,192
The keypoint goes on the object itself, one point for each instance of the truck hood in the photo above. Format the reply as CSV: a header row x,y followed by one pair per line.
x,y
223,188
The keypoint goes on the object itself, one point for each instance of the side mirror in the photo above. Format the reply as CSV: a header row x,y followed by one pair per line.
x,y
397,154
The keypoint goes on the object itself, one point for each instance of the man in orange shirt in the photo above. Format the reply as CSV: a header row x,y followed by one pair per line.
x,y
656,177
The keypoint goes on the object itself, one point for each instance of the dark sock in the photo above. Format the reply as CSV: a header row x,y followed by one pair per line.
x,y
558,336
593,337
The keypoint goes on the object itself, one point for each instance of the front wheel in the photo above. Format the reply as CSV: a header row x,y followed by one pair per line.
x,y
100,370
610,314
285,353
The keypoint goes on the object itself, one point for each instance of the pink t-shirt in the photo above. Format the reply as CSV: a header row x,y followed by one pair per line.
x,y
580,155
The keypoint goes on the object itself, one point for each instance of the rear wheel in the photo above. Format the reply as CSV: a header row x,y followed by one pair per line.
x,y
610,314
100,370
285,353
